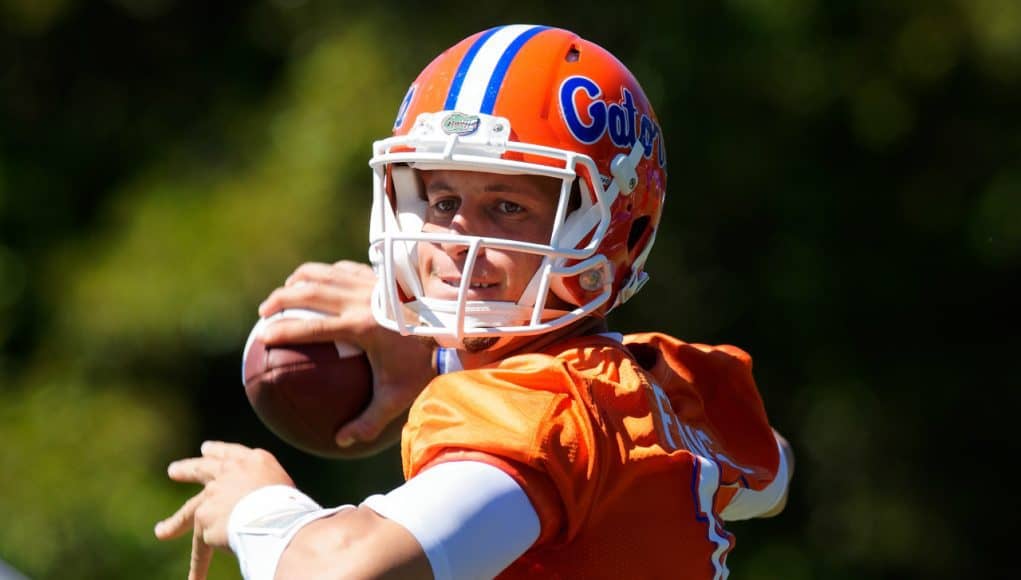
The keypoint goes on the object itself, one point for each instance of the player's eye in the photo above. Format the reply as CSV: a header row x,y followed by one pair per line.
x,y
509,207
446,205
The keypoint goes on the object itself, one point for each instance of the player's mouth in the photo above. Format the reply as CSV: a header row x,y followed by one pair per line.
x,y
476,290
456,283
447,287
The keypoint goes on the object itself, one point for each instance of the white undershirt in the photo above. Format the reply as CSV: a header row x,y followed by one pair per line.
x,y
750,503
471,519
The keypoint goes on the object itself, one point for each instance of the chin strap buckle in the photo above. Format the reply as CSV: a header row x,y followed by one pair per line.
x,y
624,168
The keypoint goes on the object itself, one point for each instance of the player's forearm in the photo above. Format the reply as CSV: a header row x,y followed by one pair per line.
x,y
356,543
456,519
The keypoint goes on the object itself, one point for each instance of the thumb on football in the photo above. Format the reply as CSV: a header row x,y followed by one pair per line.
x,y
368,426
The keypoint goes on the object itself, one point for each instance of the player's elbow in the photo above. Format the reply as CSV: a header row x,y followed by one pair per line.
x,y
354,544
320,550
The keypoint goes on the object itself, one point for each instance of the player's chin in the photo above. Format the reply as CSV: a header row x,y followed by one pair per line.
x,y
475,344
426,340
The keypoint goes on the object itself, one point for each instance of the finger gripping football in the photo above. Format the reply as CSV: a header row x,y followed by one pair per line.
x,y
305,392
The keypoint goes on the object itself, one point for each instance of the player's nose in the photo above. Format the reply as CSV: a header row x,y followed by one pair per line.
x,y
459,249
464,223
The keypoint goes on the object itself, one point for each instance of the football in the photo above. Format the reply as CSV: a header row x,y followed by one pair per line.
x,y
304,392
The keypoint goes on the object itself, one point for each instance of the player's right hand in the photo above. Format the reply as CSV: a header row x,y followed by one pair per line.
x,y
227,472
401,365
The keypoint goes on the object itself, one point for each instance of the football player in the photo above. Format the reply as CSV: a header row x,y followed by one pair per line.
x,y
514,207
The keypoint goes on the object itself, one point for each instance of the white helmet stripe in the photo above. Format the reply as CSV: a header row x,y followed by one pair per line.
x,y
487,62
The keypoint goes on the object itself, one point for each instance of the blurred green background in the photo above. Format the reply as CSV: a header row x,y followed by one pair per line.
x,y
844,203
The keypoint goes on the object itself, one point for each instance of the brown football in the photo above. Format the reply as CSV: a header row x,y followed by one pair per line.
x,y
304,392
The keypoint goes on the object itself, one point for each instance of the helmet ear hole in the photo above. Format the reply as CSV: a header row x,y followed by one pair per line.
x,y
575,201
638,230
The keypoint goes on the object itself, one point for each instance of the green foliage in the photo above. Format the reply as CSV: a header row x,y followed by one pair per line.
x,y
186,251
85,476
194,247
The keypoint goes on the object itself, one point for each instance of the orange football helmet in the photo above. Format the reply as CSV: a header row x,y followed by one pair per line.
x,y
522,99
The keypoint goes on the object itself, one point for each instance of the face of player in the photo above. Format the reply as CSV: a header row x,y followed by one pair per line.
x,y
517,207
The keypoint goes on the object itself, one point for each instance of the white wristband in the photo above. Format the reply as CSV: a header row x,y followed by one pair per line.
x,y
263,523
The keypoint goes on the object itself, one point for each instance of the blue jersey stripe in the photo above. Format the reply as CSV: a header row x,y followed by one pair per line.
x,y
462,69
495,81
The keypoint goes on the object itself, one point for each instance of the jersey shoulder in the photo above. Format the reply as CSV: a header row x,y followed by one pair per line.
x,y
530,415
504,409
686,358
714,395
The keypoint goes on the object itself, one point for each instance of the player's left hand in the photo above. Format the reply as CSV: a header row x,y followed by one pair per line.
x,y
401,365
228,472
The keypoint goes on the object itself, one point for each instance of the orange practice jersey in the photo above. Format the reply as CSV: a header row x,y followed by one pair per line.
x,y
627,454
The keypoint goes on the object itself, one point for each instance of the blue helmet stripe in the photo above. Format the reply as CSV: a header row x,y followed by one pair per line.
x,y
462,69
495,81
